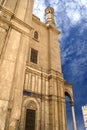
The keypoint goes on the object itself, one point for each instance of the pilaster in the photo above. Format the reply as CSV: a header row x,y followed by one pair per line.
x,y
54,51
18,81
13,52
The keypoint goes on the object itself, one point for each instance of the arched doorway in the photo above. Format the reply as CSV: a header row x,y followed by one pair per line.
x,y
69,121
30,116
70,115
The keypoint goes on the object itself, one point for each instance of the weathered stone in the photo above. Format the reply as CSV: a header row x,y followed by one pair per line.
x,y
36,85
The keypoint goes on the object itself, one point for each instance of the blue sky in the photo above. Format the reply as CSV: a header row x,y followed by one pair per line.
x,y
71,20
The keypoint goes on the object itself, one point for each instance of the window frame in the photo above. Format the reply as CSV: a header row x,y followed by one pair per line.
x,y
32,60
36,36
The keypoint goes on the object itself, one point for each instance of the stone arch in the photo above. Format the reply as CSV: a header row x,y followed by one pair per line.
x,y
69,94
30,103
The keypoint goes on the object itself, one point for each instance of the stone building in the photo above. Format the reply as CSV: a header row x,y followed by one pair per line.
x,y
84,112
32,87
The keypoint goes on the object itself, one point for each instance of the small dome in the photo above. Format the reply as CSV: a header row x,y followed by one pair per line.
x,y
49,10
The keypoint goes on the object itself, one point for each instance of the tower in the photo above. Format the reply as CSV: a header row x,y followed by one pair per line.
x,y
49,16
32,87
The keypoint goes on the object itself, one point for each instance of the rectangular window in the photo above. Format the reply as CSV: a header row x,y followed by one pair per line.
x,y
34,56
30,120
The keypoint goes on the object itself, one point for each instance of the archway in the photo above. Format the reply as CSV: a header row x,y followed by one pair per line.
x,y
31,107
69,122
70,115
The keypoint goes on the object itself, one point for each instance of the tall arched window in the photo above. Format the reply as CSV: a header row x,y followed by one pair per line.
x,y
36,35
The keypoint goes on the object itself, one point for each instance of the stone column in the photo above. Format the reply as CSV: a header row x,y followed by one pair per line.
x,y
42,115
29,10
46,115
7,67
18,82
2,39
25,8
73,116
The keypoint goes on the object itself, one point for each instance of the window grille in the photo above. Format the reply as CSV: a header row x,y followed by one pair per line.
x,y
34,54
30,120
36,35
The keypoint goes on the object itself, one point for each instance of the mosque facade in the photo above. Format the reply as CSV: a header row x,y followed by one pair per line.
x,y
32,87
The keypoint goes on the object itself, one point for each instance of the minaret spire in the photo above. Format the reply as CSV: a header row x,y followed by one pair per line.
x,y
49,11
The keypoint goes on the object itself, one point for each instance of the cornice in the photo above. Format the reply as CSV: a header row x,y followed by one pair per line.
x,y
48,26
11,20
37,20
47,74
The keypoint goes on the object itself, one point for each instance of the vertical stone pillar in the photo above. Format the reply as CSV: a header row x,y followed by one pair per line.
x,y
51,114
56,115
59,103
60,114
51,104
46,115
64,115
42,115
18,82
29,10
53,54
7,67
25,8
63,112
22,120
2,39
73,116
42,127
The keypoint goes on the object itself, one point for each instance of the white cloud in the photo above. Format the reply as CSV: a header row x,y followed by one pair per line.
x,y
80,124
74,15
79,127
75,10
39,9
83,2
69,13
52,2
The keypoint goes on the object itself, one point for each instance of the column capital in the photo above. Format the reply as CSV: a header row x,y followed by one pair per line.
x,y
71,103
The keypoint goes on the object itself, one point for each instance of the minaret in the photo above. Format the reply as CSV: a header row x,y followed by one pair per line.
x,y
50,16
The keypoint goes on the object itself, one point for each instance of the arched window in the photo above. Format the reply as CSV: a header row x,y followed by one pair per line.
x,y
36,35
